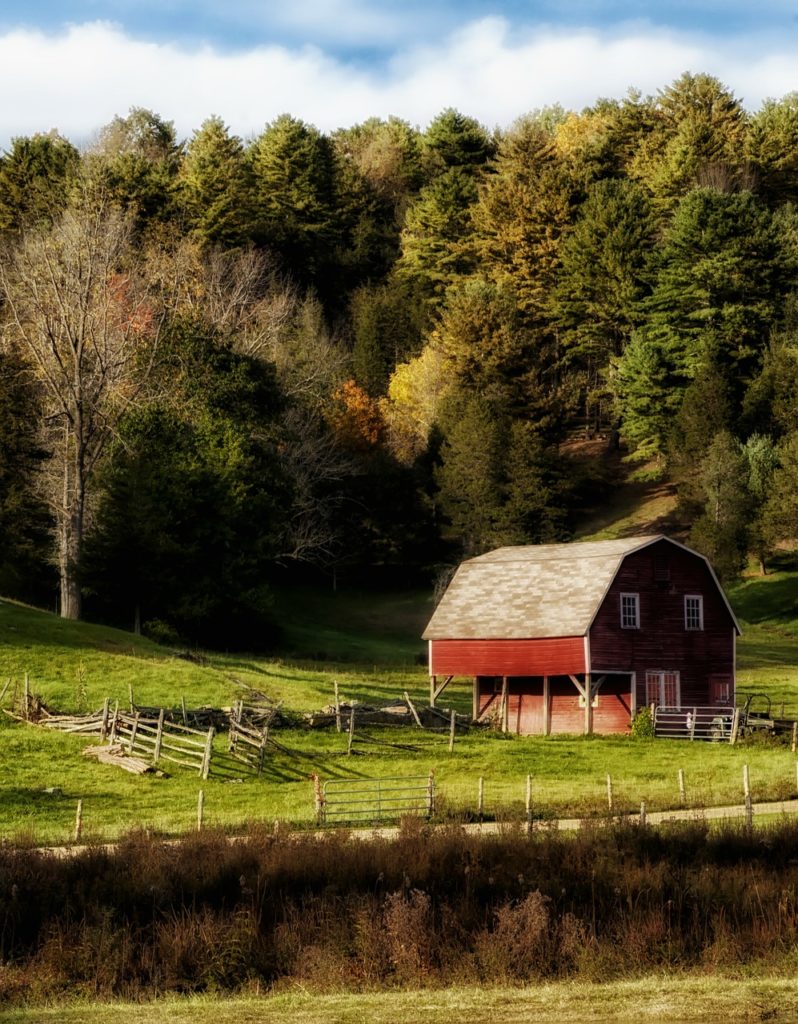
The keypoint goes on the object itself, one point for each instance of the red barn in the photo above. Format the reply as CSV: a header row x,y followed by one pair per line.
x,y
577,637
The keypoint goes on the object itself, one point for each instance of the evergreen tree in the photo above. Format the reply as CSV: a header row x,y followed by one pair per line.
x,y
139,160
191,509
721,531
772,148
35,180
780,511
25,569
524,210
294,172
386,330
698,138
216,186
453,140
602,280
469,476
647,387
436,225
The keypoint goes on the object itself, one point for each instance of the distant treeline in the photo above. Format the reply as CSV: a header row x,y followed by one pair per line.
x,y
431,909
368,348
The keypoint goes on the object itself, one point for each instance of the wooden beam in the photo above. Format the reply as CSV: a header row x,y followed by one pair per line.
x,y
588,706
505,709
546,707
435,690
580,686
475,699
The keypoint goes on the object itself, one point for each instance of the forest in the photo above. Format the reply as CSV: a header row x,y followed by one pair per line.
x,y
227,362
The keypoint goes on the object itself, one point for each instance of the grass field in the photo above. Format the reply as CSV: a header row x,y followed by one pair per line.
x,y
369,644
658,998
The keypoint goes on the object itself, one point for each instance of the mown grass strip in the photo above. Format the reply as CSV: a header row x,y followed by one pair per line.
x,y
658,998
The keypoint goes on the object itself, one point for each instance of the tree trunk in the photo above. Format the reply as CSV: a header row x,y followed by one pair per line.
x,y
70,547
71,529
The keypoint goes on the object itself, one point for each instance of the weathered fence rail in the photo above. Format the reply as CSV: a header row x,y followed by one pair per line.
x,y
159,740
249,732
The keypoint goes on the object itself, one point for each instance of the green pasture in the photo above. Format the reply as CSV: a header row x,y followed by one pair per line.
x,y
368,644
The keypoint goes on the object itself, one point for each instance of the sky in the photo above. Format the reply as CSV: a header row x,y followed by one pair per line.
x,y
72,65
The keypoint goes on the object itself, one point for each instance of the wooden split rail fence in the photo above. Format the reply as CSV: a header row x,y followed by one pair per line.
x,y
248,740
158,740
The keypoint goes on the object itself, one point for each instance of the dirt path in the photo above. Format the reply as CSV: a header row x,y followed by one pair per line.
x,y
487,828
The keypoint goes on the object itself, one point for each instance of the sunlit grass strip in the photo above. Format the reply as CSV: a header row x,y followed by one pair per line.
x,y
683,998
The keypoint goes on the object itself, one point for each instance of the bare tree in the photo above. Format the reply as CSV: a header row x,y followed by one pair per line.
x,y
74,307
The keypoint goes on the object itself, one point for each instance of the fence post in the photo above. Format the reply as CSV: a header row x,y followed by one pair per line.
x,y
528,804
796,776
5,690
682,793
130,697
794,736
200,809
452,725
114,724
351,730
27,695
692,725
481,794
133,732
642,812
158,738
205,769
262,752
79,821
183,709
318,796
337,708
749,807
431,794
609,793
104,722
735,726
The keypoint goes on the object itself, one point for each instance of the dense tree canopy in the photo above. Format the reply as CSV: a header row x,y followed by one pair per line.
x,y
387,345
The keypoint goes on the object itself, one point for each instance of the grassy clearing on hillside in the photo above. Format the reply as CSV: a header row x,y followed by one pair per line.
x,y
569,779
75,665
659,997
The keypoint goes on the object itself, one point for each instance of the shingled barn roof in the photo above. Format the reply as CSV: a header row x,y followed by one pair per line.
x,y
528,592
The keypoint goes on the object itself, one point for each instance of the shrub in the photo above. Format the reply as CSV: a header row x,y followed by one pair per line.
x,y
643,725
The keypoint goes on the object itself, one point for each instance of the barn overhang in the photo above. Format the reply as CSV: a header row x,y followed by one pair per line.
x,y
547,656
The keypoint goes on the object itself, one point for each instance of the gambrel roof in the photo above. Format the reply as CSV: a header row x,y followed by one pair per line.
x,y
535,591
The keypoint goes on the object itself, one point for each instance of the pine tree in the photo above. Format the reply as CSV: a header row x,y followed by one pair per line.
x,y
721,531
216,186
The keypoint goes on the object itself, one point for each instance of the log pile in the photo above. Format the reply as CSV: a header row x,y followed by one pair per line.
x,y
397,713
115,754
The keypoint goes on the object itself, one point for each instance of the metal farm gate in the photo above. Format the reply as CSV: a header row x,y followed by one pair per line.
x,y
365,801
716,724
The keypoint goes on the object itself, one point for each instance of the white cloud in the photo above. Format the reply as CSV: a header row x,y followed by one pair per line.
x,y
77,80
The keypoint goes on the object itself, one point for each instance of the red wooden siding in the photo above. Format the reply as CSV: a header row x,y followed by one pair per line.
x,y
550,656
526,716
662,643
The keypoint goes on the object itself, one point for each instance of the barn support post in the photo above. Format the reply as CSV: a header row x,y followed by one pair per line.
x,y
546,707
505,707
475,699
588,705
435,690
